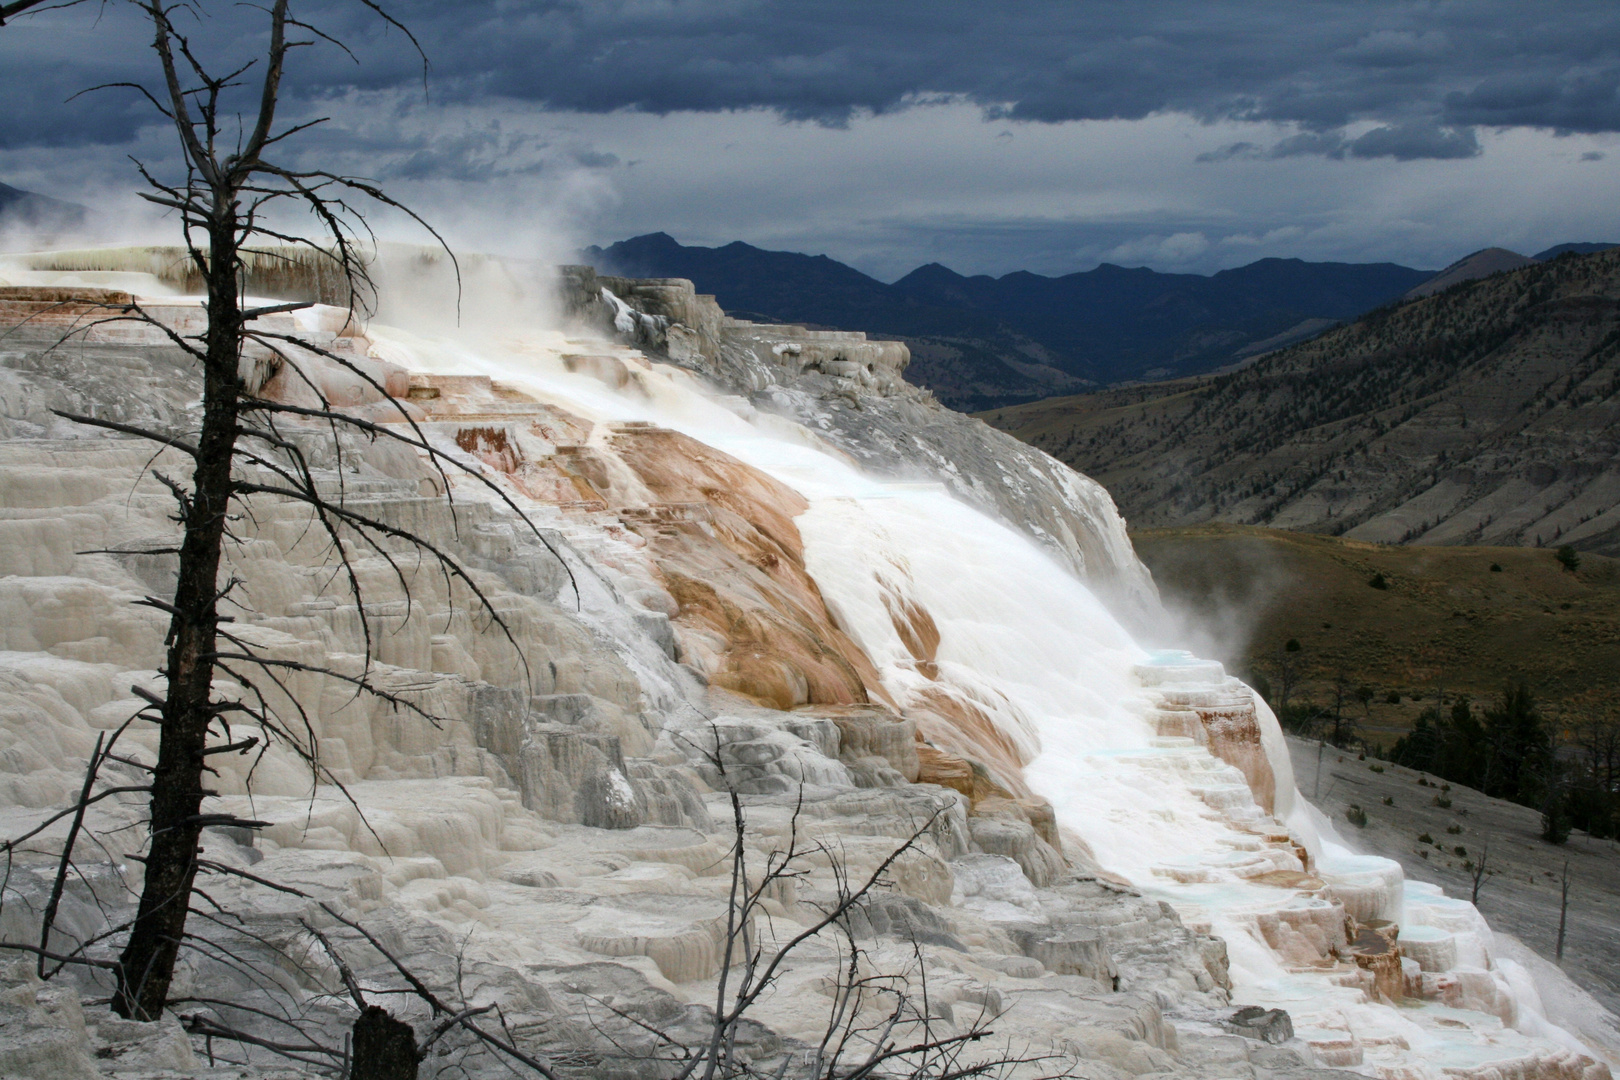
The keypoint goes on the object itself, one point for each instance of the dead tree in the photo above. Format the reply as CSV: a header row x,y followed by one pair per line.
x,y
878,1023
1563,910
1479,872
18,7
242,449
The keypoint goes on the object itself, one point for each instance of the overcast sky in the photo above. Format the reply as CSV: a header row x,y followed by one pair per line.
x,y
990,135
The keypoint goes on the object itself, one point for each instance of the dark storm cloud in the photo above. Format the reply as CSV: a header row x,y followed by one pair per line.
x,y
1424,72
1321,65
1410,141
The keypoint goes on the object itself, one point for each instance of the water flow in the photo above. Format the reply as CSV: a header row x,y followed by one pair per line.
x,y
1020,637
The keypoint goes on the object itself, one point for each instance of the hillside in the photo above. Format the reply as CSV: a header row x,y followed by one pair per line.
x,y
38,212
1445,620
1485,414
978,342
1520,894
1479,264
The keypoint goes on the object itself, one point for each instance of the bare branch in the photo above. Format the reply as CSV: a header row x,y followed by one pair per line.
x,y
344,972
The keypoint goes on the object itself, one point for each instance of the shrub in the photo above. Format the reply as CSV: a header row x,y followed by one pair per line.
x,y
1379,581
1392,698
1423,782
1568,559
1423,854
1496,568
1425,838
1460,851
1454,830
1389,800
1356,816
1442,802
1376,768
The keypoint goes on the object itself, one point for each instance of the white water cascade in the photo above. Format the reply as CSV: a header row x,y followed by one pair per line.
x,y
1092,714
1033,647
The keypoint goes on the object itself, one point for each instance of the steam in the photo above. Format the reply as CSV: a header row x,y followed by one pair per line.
x,y
1215,592
478,297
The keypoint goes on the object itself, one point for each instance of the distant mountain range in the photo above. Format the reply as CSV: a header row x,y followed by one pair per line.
x,y
982,342
978,342
1486,413
39,212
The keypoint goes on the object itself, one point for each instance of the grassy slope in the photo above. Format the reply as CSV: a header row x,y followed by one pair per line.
x,y
1446,620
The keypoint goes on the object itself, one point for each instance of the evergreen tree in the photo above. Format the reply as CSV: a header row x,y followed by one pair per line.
x,y
1519,747
1462,754
1419,748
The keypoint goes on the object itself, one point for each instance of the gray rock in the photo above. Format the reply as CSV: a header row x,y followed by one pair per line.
x,y
1267,1025
1069,951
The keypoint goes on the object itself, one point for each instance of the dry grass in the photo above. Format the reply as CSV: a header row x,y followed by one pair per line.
x,y
1446,620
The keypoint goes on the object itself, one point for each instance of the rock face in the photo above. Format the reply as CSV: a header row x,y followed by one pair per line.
x,y
1269,1025
556,837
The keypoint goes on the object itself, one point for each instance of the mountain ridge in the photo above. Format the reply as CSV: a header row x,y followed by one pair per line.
x,y
981,341
1483,414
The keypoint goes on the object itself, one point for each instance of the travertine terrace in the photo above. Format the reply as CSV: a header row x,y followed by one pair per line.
x,y
759,539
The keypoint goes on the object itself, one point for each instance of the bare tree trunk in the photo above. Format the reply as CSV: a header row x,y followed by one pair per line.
x,y
1563,912
1479,875
384,1048
147,964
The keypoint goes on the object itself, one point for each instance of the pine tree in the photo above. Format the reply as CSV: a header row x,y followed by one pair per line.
x,y
1519,747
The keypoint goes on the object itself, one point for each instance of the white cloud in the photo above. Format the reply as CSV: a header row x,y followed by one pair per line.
x,y
1172,252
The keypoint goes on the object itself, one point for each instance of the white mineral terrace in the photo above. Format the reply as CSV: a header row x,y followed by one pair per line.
x,y
1169,774
1038,652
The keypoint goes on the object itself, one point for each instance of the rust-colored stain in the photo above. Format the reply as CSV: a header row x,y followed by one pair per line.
x,y
723,536
916,628
950,719
1234,737
491,446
